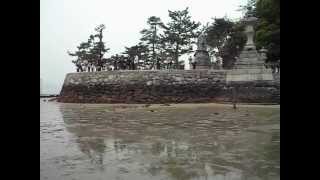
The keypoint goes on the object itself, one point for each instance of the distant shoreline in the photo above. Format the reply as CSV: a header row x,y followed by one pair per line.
x,y
48,95
176,105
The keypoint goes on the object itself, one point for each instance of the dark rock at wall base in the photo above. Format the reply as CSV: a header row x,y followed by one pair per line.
x,y
177,86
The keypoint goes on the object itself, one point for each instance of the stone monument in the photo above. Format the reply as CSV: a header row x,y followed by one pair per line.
x,y
250,65
201,55
249,58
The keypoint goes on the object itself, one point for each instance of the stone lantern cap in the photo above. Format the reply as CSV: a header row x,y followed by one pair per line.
x,y
250,20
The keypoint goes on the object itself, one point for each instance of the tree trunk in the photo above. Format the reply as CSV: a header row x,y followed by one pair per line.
x,y
153,46
176,58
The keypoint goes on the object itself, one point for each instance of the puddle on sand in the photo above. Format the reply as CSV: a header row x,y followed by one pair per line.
x,y
176,142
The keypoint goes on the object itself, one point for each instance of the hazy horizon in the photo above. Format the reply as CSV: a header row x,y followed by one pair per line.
x,y
64,24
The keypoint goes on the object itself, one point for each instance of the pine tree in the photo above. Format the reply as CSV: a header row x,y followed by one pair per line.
x,y
227,38
91,52
179,33
98,50
218,32
150,36
82,55
141,51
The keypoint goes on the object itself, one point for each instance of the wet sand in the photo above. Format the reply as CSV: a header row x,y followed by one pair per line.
x,y
174,142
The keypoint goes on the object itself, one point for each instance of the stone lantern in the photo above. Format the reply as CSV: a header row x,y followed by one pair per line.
x,y
249,23
249,58
201,55
250,66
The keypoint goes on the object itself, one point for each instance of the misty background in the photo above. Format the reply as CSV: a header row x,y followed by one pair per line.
x,y
65,23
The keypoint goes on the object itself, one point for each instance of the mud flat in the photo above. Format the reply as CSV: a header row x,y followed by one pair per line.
x,y
159,141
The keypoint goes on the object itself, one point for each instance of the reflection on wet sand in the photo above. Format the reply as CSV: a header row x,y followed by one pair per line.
x,y
174,142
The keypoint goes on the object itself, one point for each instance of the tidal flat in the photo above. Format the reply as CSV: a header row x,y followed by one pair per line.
x,y
159,141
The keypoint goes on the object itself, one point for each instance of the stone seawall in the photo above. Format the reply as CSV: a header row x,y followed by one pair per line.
x,y
174,86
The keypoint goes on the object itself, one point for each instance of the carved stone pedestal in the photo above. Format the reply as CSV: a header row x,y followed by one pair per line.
x,y
202,59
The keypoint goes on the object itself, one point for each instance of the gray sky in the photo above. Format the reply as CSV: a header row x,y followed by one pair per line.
x,y
65,23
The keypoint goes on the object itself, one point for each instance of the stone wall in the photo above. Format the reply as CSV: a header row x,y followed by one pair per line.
x,y
174,86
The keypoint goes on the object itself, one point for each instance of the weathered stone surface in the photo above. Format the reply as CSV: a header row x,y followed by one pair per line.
x,y
174,86
201,55
203,60
249,75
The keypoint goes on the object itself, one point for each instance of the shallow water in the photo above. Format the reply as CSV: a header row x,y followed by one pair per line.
x,y
176,142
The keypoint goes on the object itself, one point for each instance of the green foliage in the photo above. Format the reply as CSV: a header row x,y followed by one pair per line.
x,y
233,46
98,50
161,41
141,51
269,10
179,33
150,36
249,8
227,38
91,51
268,28
218,31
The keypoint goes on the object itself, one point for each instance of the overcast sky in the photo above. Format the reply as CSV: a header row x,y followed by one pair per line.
x,y
65,23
